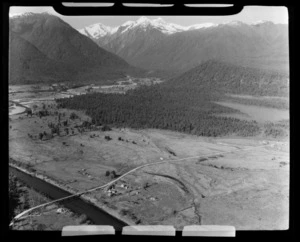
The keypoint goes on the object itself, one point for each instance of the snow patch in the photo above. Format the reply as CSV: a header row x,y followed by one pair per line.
x,y
262,22
201,26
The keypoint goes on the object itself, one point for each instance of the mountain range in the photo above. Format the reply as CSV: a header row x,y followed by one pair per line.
x,y
43,47
156,44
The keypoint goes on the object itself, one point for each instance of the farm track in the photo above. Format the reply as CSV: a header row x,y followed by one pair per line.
x,y
182,185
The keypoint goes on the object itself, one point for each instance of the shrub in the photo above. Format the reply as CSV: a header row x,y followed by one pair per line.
x,y
124,212
106,128
73,116
41,227
108,137
113,174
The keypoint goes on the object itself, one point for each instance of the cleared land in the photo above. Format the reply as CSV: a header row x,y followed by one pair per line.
x,y
248,189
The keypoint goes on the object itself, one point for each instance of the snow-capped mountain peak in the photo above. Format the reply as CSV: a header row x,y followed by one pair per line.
x,y
234,23
158,23
262,22
128,23
143,20
161,20
97,30
203,25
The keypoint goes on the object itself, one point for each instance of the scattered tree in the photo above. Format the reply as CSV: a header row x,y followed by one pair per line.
x,y
146,185
29,112
113,174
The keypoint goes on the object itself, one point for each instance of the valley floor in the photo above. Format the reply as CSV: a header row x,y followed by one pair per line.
x,y
242,182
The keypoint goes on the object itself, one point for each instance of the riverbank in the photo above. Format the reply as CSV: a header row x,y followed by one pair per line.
x,y
83,197
17,108
51,218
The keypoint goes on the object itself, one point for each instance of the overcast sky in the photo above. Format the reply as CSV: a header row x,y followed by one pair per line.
x,y
249,14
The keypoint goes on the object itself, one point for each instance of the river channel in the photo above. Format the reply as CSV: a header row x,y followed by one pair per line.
x,y
76,204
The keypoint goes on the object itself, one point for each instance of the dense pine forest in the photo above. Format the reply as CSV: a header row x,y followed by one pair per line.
x,y
156,107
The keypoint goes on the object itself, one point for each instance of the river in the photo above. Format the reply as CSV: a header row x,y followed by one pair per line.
x,y
16,110
76,204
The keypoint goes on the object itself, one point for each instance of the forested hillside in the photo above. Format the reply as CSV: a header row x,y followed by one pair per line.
x,y
224,77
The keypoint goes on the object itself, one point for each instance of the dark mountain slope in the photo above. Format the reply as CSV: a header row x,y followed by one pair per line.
x,y
57,41
221,77
27,64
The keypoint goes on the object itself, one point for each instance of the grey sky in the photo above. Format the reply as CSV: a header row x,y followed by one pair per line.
x,y
249,14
